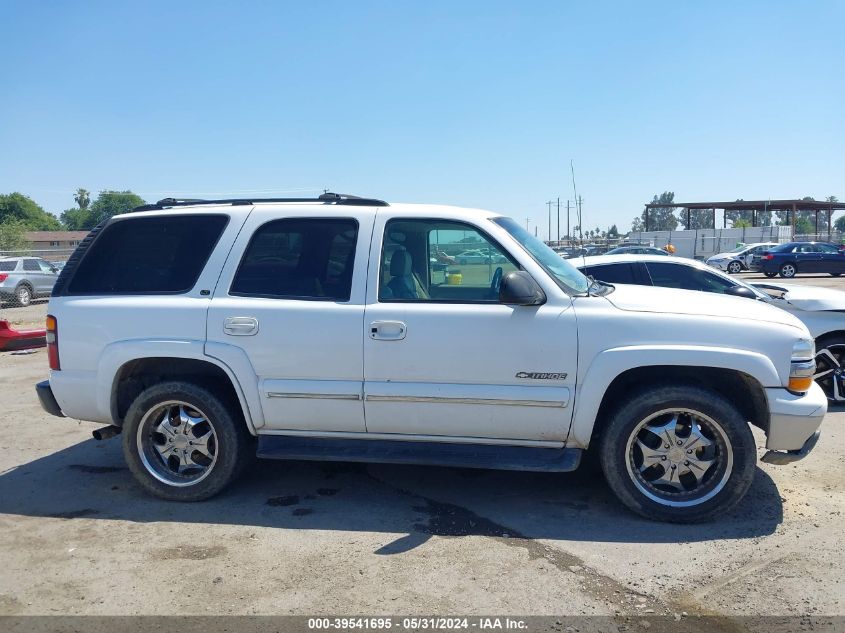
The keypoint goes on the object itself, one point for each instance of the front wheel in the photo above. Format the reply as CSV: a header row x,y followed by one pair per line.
x,y
182,443
770,275
734,267
680,454
787,271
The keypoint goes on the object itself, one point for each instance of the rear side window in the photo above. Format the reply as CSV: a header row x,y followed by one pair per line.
x,y
31,265
7,266
149,255
299,259
686,278
613,273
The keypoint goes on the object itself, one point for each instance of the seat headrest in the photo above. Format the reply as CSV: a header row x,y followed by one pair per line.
x,y
401,263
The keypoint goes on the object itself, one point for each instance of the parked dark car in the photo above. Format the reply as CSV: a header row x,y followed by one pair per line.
x,y
792,258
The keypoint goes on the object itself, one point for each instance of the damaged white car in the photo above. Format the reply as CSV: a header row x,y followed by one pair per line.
x,y
822,310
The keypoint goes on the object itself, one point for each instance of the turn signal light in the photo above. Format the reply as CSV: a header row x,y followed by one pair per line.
x,y
800,384
53,342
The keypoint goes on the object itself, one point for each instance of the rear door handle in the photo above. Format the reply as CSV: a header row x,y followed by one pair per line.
x,y
240,326
388,330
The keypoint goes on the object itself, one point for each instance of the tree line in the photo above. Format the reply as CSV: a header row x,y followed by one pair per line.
x,y
671,219
20,213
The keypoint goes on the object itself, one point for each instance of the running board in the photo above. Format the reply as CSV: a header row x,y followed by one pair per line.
x,y
496,457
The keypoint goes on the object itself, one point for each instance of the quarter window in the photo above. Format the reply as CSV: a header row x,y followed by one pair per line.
x,y
440,261
148,255
299,259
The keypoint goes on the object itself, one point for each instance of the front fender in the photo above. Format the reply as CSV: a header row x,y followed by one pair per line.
x,y
611,363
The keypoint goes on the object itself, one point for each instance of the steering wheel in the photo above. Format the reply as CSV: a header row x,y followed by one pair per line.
x,y
496,283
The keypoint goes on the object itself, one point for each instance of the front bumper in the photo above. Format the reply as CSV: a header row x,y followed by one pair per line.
x,y
47,399
722,264
794,422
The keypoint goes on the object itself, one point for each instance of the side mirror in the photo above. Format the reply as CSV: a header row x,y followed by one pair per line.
x,y
519,288
741,291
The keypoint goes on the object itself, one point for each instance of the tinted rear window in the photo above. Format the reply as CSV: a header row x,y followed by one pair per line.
x,y
7,266
149,255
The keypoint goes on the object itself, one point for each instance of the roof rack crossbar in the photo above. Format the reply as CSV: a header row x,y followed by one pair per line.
x,y
325,198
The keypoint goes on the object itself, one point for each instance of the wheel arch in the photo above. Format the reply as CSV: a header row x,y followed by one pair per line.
x,y
747,375
138,362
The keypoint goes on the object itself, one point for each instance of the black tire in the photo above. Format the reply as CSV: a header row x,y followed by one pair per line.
x,y
734,480
734,268
788,270
23,295
835,274
770,275
233,444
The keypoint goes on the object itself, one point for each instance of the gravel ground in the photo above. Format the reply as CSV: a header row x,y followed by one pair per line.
x,y
79,537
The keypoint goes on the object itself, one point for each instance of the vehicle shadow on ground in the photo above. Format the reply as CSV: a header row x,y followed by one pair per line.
x,y
90,480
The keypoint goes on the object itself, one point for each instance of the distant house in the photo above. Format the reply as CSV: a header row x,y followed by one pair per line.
x,y
53,245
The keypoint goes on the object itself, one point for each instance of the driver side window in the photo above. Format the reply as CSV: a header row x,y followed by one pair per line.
x,y
440,261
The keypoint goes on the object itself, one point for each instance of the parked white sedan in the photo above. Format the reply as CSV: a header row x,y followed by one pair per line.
x,y
738,259
821,309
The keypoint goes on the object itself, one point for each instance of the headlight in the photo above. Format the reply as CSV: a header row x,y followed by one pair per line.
x,y
803,365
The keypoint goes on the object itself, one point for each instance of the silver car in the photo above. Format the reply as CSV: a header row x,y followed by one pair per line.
x,y
22,279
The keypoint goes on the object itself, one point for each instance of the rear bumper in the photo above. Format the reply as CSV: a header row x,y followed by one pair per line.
x,y
47,399
794,422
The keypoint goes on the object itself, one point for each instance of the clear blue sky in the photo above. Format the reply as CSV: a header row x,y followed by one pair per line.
x,y
471,103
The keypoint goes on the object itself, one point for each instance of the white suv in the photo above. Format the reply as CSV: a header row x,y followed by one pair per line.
x,y
328,329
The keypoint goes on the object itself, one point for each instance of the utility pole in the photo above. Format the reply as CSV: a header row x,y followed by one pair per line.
x,y
580,219
550,219
568,230
558,220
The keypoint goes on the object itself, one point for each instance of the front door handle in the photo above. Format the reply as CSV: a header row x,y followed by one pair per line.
x,y
387,330
240,326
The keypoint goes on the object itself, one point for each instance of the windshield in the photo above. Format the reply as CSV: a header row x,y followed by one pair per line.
x,y
738,249
782,248
569,278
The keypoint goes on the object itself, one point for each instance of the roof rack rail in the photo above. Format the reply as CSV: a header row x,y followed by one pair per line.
x,y
326,198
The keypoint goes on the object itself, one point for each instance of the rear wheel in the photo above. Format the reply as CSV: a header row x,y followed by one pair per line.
x,y
734,267
182,443
23,295
680,454
788,270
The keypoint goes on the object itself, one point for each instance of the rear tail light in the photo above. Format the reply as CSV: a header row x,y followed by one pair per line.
x,y
53,342
4,276
768,256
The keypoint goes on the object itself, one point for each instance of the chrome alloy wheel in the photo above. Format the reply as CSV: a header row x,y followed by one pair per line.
x,y
177,443
679,457
788,271
830,371
734,267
